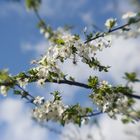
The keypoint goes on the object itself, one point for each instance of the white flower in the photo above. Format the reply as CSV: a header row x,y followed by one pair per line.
x,y
49,111
39,100
85,121
33,62
99,44
3,90
42,31
22,82
129,15
110,23
41,81
46,34
134,114
103,84
65,52
106,107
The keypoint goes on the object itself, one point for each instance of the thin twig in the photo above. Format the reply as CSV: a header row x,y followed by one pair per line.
x,y
25,91
110,31
92,114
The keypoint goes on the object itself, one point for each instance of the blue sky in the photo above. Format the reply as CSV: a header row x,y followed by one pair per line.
x,y
20,42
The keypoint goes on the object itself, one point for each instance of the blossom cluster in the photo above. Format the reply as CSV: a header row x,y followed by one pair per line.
x,y
47,69
58,112
64,45
49,110
129,15
113,102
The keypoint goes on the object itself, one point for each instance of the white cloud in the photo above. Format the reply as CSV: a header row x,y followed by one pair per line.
x,y
87,18
124,6
56,8
123,56
110,7
106,129
68,92
38,49
17,123
80,71
48,8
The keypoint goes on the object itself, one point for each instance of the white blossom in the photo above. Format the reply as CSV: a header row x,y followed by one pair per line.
x,y
100,44
111,22
104,83
129,15
42,30
41,81
56,111
46,34
39,100
22,82
3,90
106,106
49,111
85,120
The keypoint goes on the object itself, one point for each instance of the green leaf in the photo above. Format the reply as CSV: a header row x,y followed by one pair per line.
x,y
93,81
17,92
4,75
94,63
56,95
131,77
21,75
32,71
126,120
33,4
76,37
78,121
89,110
132,20
59,41
89,36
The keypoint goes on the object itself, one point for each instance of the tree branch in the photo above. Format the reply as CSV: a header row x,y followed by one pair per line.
x,y
92,114
113,30
72,83
78,84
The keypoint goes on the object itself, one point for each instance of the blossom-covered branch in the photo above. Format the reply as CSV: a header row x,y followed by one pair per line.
x,y
63,46
122,27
